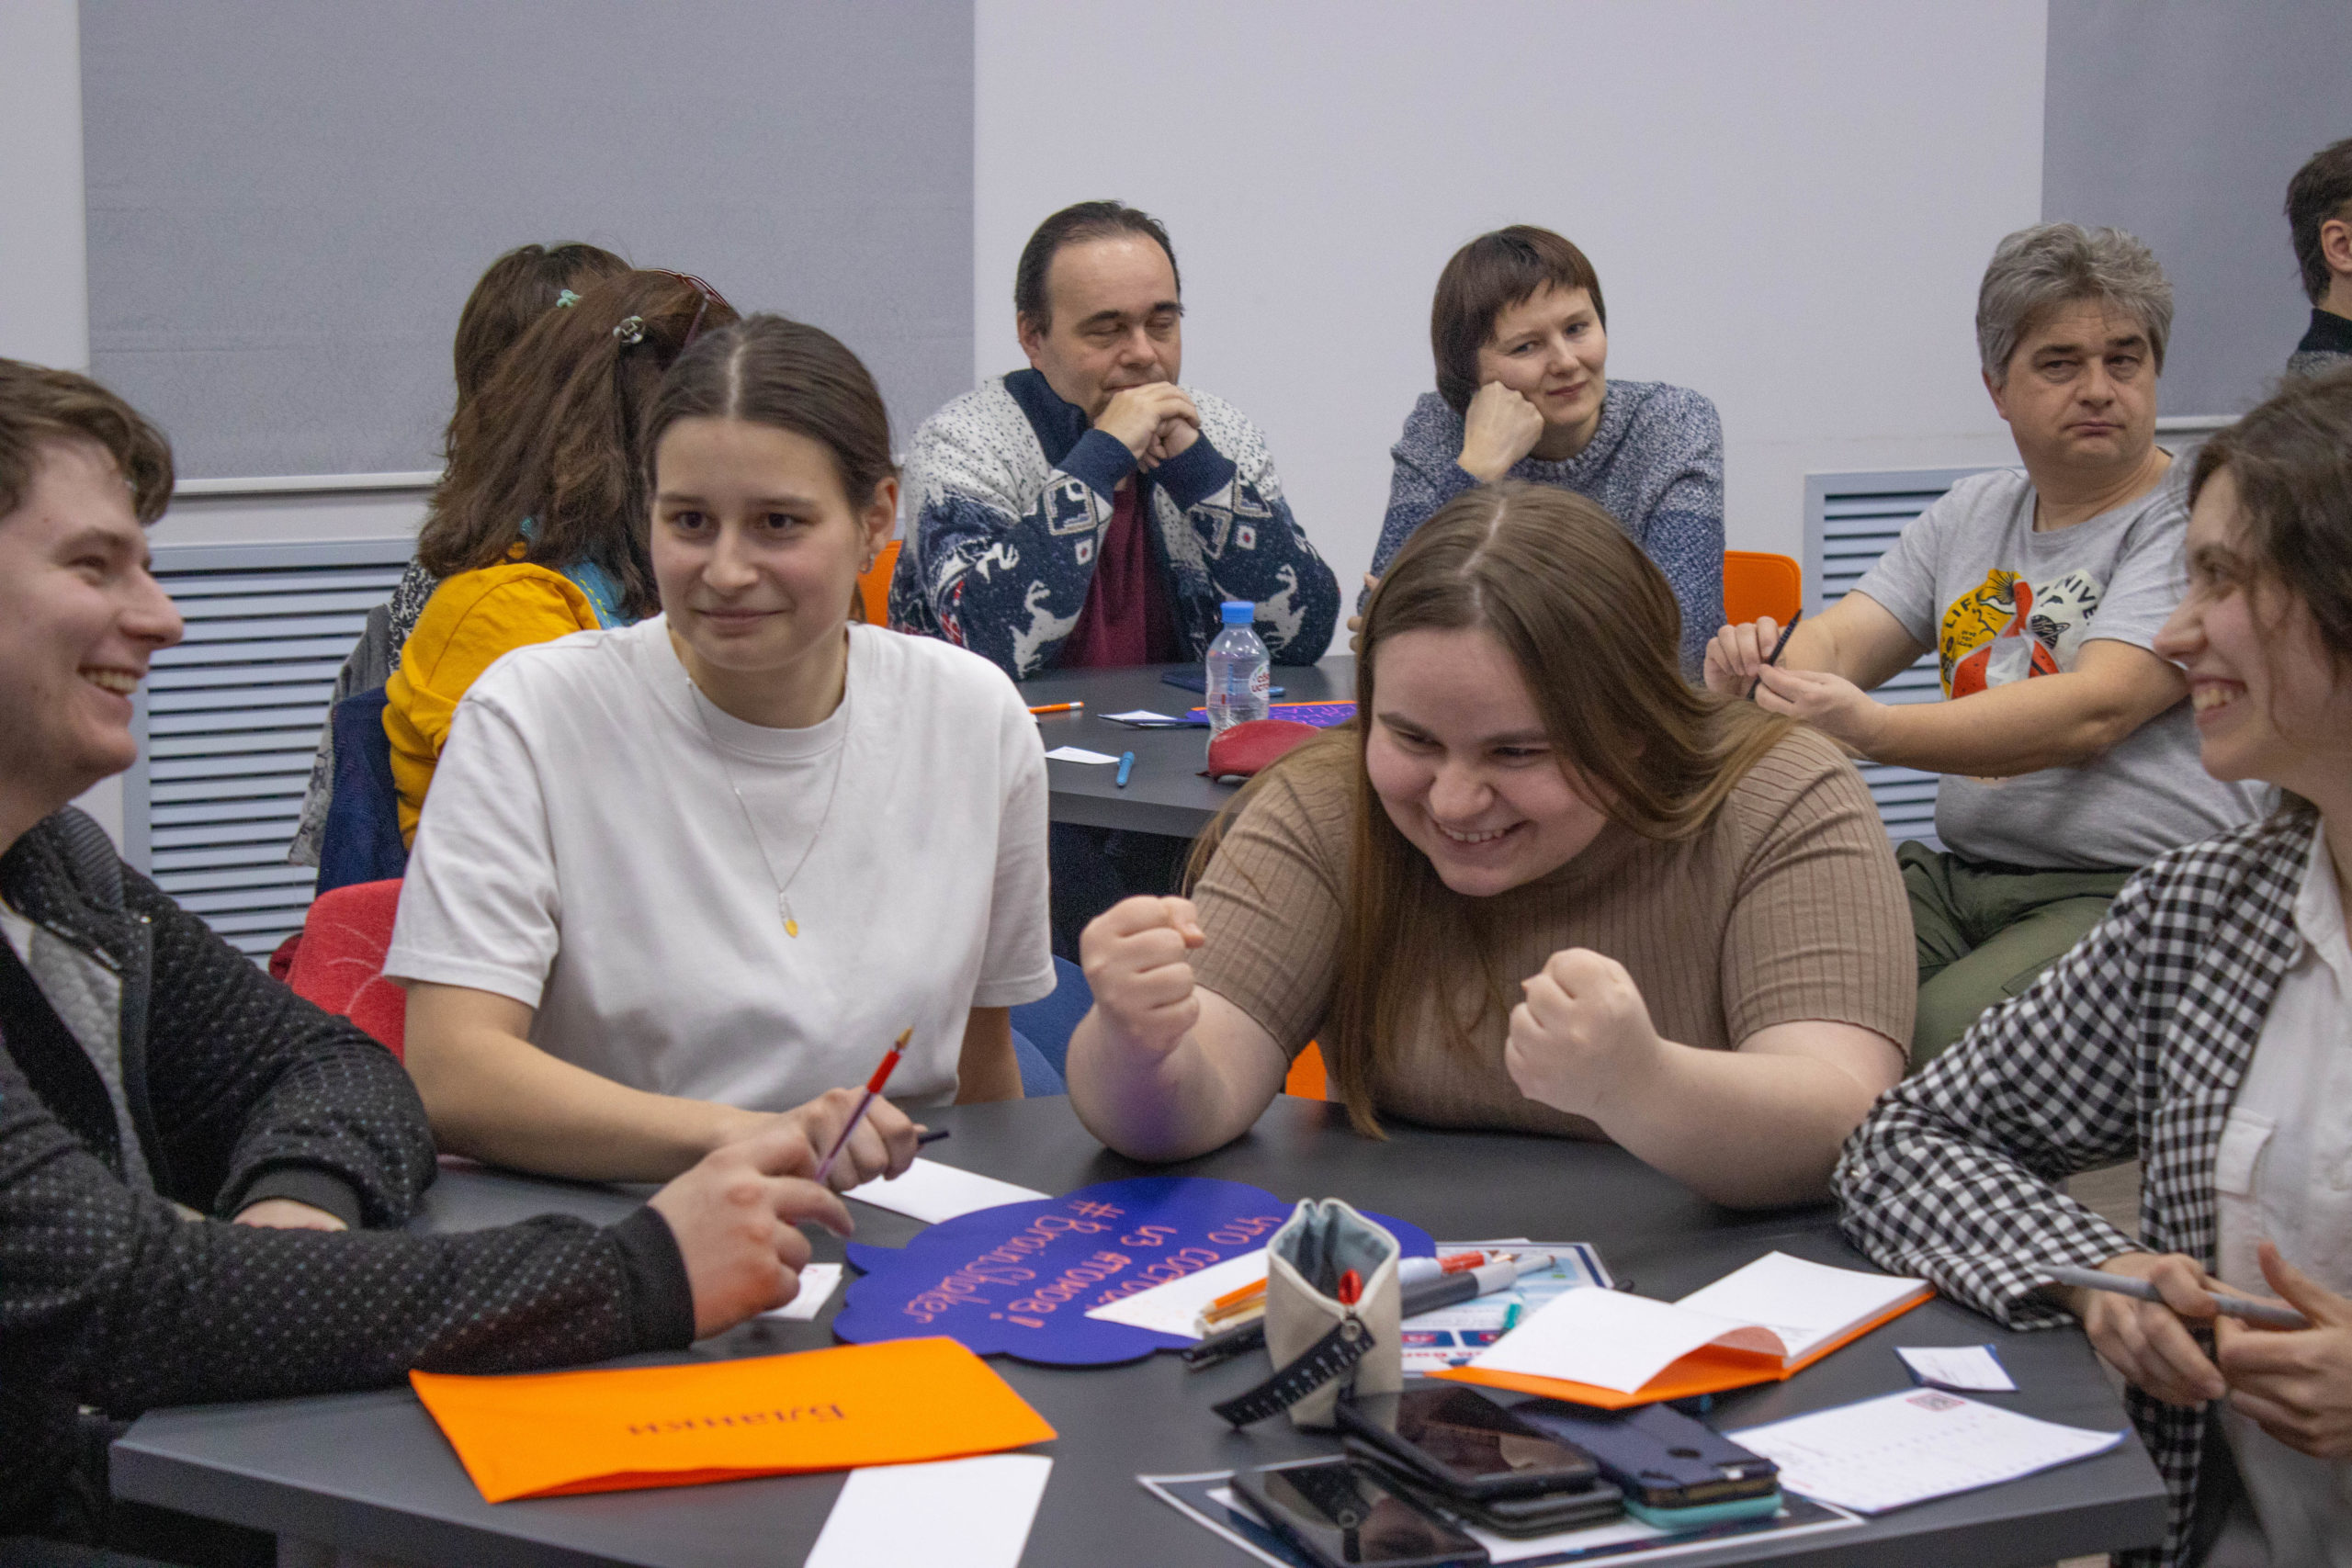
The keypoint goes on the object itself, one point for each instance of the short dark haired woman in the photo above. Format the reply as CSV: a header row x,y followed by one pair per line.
x,y
679,876
1540,883
2201,1025
1521,336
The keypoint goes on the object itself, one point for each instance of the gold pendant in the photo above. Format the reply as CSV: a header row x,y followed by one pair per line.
x,y
791,927
783,909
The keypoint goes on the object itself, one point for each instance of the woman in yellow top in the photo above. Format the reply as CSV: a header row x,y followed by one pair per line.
x,y
535,527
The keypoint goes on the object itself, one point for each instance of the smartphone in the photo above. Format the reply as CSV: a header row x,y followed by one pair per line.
x,y
1467,1444
1660,1457
1546,1514
1344,1516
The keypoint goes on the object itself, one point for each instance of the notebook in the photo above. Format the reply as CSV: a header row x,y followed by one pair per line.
x,y
1761,1324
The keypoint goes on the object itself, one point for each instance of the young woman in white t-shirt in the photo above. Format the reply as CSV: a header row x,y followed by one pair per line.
x,y
675,878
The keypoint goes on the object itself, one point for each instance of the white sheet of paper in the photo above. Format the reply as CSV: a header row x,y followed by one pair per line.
x,y
818,1282
1971,1367
1143,716
1077,754
975,1513
1600,1336
1906,1448
1170,1308
1805,1304
932,1192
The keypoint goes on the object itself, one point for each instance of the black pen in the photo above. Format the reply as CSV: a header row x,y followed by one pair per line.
x,y
932,1136
1775,656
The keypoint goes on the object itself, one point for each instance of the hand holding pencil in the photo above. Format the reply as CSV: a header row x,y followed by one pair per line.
x,y
880,1142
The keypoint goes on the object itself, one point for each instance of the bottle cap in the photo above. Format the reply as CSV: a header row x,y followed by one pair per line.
x,y
1239,613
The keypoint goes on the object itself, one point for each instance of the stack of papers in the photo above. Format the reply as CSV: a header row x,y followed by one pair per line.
x,y
1906,1448
1761,1324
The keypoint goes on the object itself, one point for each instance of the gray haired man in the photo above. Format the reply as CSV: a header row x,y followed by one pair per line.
x,y
2069,754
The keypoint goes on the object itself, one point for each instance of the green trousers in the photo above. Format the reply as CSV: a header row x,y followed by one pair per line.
x,y
1986,933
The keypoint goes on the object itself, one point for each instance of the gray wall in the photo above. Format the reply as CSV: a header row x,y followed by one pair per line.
x,y
288,201
2182,122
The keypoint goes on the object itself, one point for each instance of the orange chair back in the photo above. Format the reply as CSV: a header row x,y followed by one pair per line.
x,y
1306,1078
873,586
1758,583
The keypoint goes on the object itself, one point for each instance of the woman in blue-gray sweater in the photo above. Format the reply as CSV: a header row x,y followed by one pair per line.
x,y
1522,343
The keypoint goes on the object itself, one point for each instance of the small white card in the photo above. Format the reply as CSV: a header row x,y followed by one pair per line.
x,y
1077,754
818,1282
932,1192
1172,1307
1142,716
975,1513
1974,1367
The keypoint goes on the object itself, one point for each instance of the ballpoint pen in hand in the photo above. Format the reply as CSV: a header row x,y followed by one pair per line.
x,y
1774,658
2262,1314
873,1089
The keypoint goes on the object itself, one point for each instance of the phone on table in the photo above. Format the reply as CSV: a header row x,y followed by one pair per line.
x,y
1546,1513
1344,1516
1467,1444
1677,1472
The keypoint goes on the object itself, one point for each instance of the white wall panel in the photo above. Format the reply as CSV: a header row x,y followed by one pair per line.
x,y
1790,204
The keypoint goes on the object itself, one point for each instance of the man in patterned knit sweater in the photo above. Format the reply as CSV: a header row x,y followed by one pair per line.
x,y
1089,510
184,1143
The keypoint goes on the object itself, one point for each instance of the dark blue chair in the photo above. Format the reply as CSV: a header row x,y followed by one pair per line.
x,y
1038,1079
362,841
1048,1022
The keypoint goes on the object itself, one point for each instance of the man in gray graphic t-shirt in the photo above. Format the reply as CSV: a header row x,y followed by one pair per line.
x,y
2069,756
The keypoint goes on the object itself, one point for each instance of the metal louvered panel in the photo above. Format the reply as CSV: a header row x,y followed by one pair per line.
x,y
229,719
1850,520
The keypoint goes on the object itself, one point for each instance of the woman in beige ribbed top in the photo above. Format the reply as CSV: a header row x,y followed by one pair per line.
x,y
1705,910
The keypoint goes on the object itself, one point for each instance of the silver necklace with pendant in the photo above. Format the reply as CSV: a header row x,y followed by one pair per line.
x,y
783,886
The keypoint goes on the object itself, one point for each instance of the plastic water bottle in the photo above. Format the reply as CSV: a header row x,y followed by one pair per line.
x,y
1240,672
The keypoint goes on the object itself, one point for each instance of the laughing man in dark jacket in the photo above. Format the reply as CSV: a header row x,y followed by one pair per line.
x,y
200,1173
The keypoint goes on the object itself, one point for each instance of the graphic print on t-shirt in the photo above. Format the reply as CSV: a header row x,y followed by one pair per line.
x,y
2007,630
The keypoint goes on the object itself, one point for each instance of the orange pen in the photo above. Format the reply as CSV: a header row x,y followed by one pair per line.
x,y
1057,707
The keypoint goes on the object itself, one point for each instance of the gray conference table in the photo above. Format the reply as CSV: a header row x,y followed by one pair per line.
x,y
369,1473
1165,792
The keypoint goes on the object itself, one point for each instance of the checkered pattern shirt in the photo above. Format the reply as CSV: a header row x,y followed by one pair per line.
x,y
2133,1043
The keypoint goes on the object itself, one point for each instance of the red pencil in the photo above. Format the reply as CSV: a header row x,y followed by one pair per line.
x,y
873,1087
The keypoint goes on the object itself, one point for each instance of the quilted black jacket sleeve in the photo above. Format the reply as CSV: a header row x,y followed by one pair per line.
x,y
247,1081
109,1299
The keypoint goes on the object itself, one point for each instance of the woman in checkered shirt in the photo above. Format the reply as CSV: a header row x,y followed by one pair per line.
x,y
2205,1026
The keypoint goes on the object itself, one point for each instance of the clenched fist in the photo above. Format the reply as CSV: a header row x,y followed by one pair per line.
x,y
1133,955
1583,1037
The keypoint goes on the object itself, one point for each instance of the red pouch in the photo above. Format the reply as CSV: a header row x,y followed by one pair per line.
x,y
1246,748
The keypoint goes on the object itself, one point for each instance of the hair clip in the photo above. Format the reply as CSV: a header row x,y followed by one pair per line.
x,y
566,298
631,330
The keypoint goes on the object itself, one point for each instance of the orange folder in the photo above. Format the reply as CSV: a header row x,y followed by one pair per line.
x,y
549,1434
1710,1368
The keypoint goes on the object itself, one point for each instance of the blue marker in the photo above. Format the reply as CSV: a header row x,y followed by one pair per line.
x,y
1127,766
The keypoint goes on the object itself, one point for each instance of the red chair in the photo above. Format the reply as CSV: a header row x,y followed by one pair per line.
x,y
339,964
